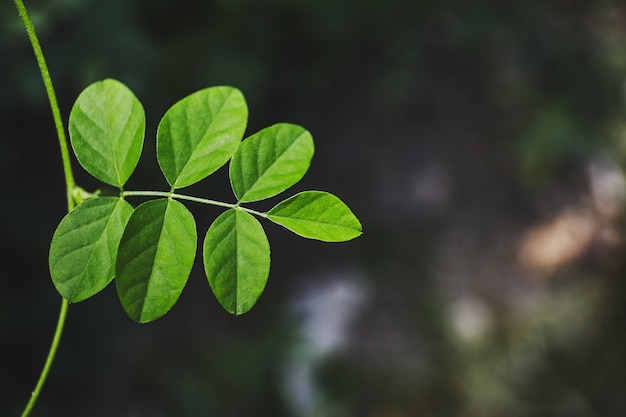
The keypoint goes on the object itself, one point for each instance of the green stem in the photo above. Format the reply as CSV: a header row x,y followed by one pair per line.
x,y
56,113
190,198
69,186
49,360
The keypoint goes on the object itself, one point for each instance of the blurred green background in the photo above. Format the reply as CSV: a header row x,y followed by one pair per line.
x,y
481,144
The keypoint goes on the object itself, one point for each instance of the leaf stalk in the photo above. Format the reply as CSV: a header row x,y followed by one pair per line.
x,y
170,194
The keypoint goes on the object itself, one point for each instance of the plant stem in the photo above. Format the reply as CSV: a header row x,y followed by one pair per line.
x,y
49,360
56,113
190,198
69,186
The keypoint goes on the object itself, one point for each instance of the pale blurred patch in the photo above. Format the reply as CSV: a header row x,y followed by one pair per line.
x,y
547,247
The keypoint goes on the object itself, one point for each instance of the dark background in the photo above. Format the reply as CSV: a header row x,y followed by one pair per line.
x,y
480,143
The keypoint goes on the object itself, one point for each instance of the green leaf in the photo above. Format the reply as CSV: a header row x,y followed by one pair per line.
x,y
236,260
107,127
155,257
84,247
317,215
200,133
270,161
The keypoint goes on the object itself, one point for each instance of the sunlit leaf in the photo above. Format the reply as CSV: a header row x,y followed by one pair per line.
x,y
200,133
84,247
317,215
155,257
236,260
270,161
107,127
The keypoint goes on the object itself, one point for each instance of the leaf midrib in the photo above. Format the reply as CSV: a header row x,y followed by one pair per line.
x,y
152,263
97,242
202,139
261,174
326,223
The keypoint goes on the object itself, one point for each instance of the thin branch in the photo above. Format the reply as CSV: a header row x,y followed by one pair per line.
x,y
69,186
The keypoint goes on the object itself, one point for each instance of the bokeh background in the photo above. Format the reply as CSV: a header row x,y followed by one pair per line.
x,y
481,144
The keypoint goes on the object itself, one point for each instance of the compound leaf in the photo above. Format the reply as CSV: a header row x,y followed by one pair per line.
x,y
317,215
200,133
236,260
270,161
84,247
155,257
107,127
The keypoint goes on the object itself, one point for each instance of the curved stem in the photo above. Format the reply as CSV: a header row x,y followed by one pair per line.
x,y
56,113
190,198
69,186
49,360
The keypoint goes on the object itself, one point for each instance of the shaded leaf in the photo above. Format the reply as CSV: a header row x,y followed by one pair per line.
x,y
236,260
317,215
200,133
155,257
270,161
107,127
84,247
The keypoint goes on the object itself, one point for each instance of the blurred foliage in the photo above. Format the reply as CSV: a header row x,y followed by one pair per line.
x,y
450,127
